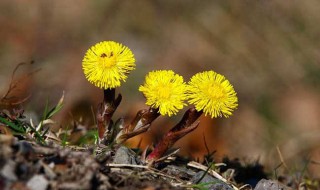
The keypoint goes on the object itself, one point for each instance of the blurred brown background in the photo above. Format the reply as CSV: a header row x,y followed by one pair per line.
x,y
269,50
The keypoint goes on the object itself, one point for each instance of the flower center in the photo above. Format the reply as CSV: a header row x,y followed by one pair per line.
x,y
107,61
214,91
164,92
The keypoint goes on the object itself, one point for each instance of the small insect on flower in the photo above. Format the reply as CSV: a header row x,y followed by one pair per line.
x,y
164,90
212,93
108,63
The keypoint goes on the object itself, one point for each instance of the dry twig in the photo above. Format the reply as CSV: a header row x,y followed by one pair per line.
x,y
210,171
148,168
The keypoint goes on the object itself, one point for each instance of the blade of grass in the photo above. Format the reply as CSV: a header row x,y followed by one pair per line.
x,y
48,114
13,126
88,137
205,173
45,132
203,186
37,135
64,138
56,108
43,116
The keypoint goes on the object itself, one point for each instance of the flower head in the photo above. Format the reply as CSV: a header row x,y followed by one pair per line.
x,y
108,63
212,93
164,90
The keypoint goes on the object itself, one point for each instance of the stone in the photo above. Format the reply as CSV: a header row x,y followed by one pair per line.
x,y
8,171
124,155
265,184
180,171
38,182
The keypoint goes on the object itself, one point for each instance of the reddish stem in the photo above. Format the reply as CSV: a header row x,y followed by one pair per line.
x,y
140,124
186,125
106,110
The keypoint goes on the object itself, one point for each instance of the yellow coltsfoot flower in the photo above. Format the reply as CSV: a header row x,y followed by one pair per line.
x,y
212,93
108,63
164,90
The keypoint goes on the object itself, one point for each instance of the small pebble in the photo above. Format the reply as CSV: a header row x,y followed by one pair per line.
x,y
124,155
38,182
270,185
8,171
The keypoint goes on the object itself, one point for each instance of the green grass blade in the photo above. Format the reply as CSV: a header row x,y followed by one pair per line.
x,y
13,126
55,109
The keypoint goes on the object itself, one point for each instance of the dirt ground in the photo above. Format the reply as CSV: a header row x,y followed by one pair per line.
x,y
28,165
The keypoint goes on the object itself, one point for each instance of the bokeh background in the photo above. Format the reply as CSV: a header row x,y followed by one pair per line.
x,y
269,50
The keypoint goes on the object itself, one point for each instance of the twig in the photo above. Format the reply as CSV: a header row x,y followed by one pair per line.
x,y
210,171
50,136
127,166
149,169
205,143
157,172
13,84
204,173
244,186
281,158
168,156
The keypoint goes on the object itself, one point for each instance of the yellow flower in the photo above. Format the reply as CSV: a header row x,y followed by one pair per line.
x,y
212,93
108,63
164,90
